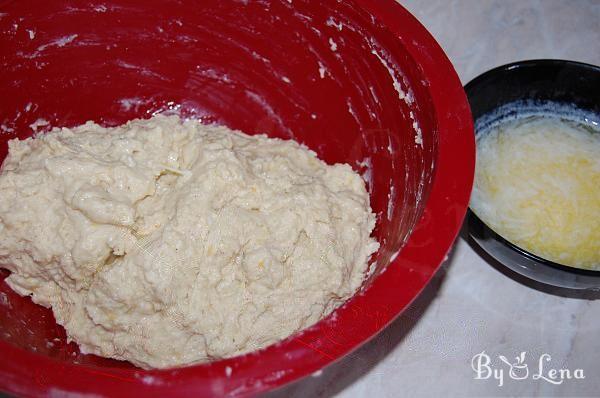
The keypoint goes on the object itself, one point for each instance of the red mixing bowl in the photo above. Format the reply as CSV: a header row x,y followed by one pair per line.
x,y
360,82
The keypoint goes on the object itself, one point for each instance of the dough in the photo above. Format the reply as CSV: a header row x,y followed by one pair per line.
x,y
166,242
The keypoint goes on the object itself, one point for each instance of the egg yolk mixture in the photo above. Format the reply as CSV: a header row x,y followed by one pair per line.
x,y
537,184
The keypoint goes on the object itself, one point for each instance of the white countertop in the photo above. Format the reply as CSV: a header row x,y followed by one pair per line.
x,y
472,305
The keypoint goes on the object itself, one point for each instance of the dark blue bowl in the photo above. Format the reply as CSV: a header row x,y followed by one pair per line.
x,y
538,81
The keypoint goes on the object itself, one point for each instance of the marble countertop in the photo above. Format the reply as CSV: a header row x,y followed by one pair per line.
x,y
473,305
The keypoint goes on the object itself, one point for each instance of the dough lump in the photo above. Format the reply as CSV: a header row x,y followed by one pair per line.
x,y
166,242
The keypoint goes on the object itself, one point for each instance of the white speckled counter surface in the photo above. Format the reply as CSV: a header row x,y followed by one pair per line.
x,y
473,305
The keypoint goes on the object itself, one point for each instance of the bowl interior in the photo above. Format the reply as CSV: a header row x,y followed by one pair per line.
x,y
330,75
287,71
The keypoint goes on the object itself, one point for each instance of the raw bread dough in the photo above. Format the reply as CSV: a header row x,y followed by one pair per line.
x,y
166,243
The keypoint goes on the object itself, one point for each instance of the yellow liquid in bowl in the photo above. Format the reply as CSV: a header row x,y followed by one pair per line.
x,y
537,184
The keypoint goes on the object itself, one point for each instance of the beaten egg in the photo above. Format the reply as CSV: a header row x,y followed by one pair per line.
x,y
537,184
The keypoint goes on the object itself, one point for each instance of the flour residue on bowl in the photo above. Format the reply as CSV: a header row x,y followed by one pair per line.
x,y
58,43
39,123
366,167
404,93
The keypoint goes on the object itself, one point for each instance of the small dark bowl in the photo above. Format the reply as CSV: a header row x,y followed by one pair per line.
x,y
564,82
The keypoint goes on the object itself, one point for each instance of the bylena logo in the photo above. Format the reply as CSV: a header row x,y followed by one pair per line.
x,y
519,369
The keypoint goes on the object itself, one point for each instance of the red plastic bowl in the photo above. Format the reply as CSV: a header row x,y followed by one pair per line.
x,y
329,74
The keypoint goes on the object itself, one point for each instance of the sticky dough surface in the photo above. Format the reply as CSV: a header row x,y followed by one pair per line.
x,y
166,243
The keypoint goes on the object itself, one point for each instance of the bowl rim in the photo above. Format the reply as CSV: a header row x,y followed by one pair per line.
x,y
527,254
244,375
539,62
529,63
